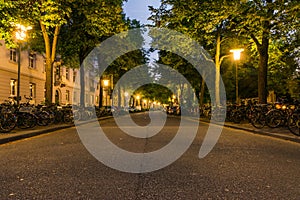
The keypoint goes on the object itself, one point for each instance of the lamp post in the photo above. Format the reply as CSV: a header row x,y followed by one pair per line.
x,y
236,57
20,36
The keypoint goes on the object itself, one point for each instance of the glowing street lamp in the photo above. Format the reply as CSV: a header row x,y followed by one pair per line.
x,y
21,31
236,57
20,36
106,83
236,53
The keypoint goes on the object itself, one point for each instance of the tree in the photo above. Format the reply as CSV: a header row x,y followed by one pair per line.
x,y
89,24
91,21
260,21
47,17
197,20
6,23
155,92
264,21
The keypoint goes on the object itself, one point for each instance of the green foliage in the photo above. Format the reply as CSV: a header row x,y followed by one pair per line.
x,y
252,23
7,9
154,92
89,23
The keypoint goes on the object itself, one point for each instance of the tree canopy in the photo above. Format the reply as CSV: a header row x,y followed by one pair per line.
x,y
267,29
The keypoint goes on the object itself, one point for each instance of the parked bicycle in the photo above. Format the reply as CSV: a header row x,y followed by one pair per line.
x,y
294,121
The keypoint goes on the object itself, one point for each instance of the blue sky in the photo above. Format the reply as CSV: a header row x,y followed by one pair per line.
x,y
138,9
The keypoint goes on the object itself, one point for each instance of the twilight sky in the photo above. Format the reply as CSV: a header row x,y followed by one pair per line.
x,y
138,9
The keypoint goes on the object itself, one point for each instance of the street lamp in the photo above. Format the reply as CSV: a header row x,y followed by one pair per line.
x,y
20,36
236,57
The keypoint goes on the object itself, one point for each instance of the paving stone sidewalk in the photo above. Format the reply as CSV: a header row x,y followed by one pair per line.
x,y
281,132
18,134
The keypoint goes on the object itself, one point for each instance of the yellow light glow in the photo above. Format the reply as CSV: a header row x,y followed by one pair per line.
x,y
236,53
106,83
21,31
138,97
12,82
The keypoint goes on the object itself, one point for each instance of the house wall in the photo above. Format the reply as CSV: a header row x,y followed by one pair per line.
x,y
37,77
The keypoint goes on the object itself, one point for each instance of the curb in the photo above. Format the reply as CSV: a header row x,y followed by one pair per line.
x,y
260,132
33,133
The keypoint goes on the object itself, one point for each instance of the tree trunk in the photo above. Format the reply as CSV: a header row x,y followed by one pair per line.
x,y
119,96
217,61
100,94
202,92
49,81
264,56
262,71
82,80
50,57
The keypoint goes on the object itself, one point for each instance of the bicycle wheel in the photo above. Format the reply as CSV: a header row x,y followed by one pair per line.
x,y
68,117
26,120
8,122
294,123
237,116
274,119
43,118
258,119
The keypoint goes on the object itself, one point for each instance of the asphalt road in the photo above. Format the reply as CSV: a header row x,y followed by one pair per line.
x,y
241,166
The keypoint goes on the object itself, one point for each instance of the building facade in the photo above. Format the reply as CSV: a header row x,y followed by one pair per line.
x,y
33,77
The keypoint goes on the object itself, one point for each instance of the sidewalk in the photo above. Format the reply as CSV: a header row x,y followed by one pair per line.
x,y
18,134
280,133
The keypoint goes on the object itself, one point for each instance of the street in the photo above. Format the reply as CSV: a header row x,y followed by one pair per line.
x,y
241,166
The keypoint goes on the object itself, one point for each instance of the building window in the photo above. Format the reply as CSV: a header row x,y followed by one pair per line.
x,y
92,87
57,77
67,96
92,100
74,76
13,55
67,73
32,60
87,98
44,66
13,87
74,97
32,89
